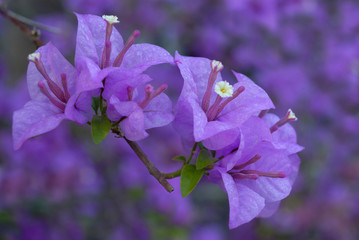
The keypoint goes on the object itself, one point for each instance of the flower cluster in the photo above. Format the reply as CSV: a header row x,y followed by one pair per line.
x,y
250,153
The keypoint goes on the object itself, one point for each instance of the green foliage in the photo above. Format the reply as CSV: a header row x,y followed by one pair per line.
x,y
179,158
204,159
95,103
100,127
190,177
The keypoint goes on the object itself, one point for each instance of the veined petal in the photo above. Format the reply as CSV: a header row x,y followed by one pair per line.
x,y
272,160
142,56
158,113
33,119
285,137
198,74
133,126
55,64
118,109
90,41
269,209
119,80
244,203
78,108
251,101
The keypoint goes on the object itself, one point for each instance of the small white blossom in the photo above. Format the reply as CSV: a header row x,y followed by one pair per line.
x,y
291,116
216,65
33,57
223,89
111,19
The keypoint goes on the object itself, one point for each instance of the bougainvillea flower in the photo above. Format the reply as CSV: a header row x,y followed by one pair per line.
x,y
255,175
99,41
123,64
283,135
139,110
211,110
57,91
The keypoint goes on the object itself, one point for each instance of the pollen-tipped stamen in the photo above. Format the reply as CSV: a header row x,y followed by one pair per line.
x,y
56,90
148,91
129,43
64,86
290,116
150,94
44,91
216,67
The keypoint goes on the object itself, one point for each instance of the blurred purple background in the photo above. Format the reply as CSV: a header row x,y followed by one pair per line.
x,y
304,53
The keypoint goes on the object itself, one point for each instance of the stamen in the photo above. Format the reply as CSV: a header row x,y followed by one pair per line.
x,y
110,19
56,90
263,113
241,176
44,91
265,174
130,93
250,161
148,92
290,116
129,43
151,95
64,86
228,100
106,54
34,57
213,109
159,90
216,67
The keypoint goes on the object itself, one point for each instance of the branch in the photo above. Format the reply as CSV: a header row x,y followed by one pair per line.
x,y
173,174
31,34
150,166
152,169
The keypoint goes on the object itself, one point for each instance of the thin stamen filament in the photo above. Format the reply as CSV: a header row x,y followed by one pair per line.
x,y
64,86
213,109
129,43
44,91
56,90
250,161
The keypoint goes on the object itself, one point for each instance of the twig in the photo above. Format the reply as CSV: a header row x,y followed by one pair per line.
x,y
152,169
33,23
150,166
31,34
173,174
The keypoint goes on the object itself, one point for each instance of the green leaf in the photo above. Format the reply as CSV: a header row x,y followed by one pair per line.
x,y
95,103
180,158
204,159
200,145
190,177
100,127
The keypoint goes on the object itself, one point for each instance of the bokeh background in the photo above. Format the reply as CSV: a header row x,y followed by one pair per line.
x,y
304,53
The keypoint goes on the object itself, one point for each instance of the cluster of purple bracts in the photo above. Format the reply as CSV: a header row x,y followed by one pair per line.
x,y
255,152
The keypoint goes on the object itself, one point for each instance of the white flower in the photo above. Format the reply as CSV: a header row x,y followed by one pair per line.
x,y
216,65
111,19
223,89
33,57
291,116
